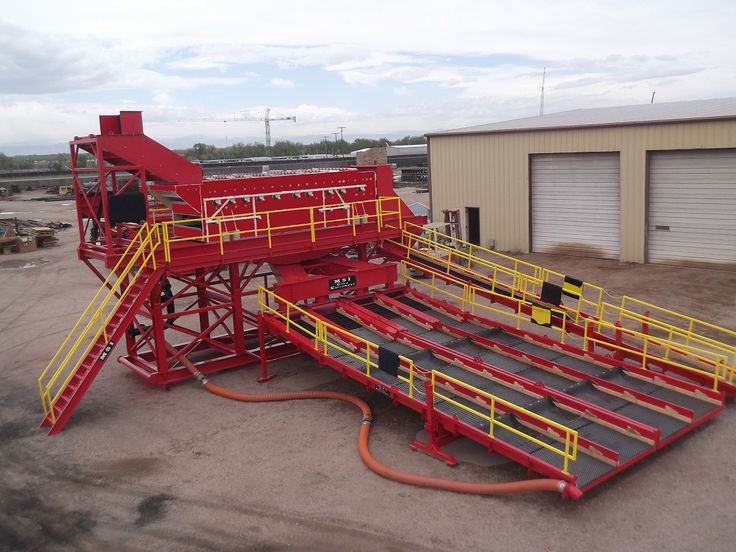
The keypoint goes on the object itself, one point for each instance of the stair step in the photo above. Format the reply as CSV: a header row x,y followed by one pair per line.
x,y
91,360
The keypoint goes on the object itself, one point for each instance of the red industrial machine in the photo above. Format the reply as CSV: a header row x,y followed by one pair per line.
x,y
225,272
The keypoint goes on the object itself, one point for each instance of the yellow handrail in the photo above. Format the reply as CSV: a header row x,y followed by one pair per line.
x,y
528,286
571,436
468,302
319,333
140,252
678,340
718,361
721,371
384,213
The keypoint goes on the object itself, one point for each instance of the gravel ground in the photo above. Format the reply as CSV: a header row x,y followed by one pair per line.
x,y
139,468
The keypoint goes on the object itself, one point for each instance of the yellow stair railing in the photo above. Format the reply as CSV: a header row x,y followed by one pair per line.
x,y
139,255
328,338
677,333
503,272
714,364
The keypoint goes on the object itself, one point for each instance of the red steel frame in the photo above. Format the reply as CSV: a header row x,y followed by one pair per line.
x,y
442,428
205,300
204,303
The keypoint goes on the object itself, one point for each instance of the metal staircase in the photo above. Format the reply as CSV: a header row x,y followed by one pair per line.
x,y
677,337
89,344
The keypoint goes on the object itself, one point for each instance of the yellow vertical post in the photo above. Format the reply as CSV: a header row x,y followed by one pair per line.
x,y
219,233
492,421
153,249
644,352
167,245
411,379
311,224
518,315
268,228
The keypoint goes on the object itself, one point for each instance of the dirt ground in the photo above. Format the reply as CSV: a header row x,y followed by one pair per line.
x,y
139,468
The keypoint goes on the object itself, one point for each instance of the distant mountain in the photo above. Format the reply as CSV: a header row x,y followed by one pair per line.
x,y
33,149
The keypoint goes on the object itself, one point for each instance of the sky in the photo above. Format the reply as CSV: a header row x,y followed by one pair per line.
x,y
376,68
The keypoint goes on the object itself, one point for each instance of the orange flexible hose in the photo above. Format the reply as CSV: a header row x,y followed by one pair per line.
x,y
525,486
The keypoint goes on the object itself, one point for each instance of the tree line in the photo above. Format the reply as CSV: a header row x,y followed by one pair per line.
x,y
202,152
53,162
288,148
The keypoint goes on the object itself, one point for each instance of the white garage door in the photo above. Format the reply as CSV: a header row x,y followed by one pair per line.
x,y
576,204
692,206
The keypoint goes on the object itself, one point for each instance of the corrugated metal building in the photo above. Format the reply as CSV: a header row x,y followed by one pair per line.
x,y
643,183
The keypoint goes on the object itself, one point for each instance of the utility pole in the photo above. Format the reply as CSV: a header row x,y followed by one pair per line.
x,y
334,147
541,99
341,128
326,145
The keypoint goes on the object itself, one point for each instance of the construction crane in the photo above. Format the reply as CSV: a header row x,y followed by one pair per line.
x,y
266,119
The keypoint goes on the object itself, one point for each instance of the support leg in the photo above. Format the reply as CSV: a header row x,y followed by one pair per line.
x,y
262,346
437,437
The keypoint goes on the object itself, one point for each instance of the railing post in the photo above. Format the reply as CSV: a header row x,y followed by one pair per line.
x,y
411,379
219,233
518,315
312,233
268,227
379,216
644,353
167,245
492,421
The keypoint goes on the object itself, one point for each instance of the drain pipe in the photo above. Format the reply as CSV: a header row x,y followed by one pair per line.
x,y
525,486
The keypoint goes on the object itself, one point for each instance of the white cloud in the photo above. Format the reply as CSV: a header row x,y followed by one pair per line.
x,y
282,83
478,61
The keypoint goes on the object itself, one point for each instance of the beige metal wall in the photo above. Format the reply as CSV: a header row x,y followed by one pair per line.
x,y
491,171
